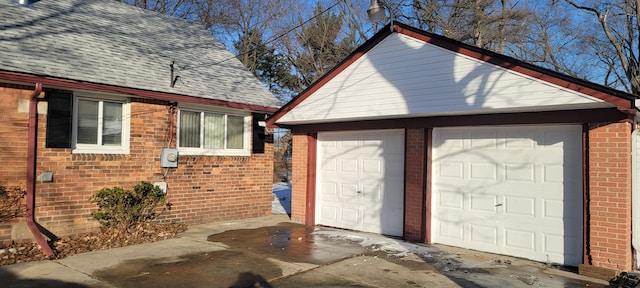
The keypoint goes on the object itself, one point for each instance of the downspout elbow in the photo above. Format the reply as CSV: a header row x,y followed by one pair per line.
x,y
31,171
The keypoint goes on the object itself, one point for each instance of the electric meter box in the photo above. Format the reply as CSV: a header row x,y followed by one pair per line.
x,y
169,158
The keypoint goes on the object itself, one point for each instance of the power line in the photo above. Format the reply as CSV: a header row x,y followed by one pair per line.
x,y
272,40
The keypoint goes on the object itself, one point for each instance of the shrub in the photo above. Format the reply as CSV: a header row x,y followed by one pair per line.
x,y
11,204
124,209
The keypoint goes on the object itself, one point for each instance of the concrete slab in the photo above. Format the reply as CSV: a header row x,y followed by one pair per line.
x,y
368,271
259,252
91,262
45,274
202,231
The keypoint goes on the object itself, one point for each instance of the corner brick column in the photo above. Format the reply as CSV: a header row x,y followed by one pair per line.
x,y
299,177
609,236
414,184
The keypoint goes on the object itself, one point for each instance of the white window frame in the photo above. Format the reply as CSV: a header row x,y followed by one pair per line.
x,y
246,137
98,148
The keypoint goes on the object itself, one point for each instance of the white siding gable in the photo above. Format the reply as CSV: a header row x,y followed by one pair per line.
x,y
405,77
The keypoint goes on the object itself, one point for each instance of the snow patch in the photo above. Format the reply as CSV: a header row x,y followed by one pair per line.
x,y
397,248
281,203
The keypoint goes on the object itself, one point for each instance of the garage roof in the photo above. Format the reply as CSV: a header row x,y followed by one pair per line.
x,y
413,73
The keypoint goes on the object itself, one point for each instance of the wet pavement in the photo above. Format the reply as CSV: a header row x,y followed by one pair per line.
x,y
273,252
289,242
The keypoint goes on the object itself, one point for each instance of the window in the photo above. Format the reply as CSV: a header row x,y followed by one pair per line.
x,y
213,133
100,126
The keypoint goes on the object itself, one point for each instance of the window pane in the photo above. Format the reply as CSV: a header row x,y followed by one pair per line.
x,y
235,132
213,131
189,129
87,122
112,123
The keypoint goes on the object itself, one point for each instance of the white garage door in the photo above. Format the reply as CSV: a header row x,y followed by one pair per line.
x,y
513,190
360,181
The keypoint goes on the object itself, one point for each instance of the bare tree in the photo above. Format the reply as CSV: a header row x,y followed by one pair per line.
x,y
176,8
319,43
551,41
619,27
488,24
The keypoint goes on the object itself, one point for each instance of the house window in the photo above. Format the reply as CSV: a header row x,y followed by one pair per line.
x,y
213,133
100,126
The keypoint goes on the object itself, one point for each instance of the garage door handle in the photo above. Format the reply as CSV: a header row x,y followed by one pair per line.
x,y
498,205
359,192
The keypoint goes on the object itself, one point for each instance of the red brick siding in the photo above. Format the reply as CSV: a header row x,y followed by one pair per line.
x,y
201,189
414,183
610,196
299,177
13,143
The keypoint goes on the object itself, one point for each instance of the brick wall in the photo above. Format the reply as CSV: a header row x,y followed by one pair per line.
x,y
202,188
14,119
299,177
609,236
414,184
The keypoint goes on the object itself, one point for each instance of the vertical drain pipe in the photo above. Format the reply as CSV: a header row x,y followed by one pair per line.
x,y
31,171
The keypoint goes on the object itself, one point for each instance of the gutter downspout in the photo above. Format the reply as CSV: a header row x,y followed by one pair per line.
x,y
31,171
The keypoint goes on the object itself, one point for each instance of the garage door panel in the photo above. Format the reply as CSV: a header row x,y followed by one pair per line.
x,y
520,206
369,176
519,239
348,191
450,169
372,166
557,139
348,165
483,171
329,189
371,192
555,243
348,215
483,203
512,190
329,165
483,235
450,199
554,173
329,213
450,139
519,140
453,231
520,172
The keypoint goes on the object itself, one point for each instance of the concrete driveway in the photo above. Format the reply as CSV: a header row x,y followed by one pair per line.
x,y
273,252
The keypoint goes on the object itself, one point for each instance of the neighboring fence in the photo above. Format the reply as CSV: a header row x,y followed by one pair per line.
x,y
282,155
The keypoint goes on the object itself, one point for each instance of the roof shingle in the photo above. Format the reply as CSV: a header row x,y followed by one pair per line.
x,y
108,42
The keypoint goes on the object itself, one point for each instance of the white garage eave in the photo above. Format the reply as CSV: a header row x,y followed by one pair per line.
x,y
411,73
405,77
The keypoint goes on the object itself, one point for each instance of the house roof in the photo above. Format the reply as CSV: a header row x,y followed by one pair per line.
x,y
105,43
413,73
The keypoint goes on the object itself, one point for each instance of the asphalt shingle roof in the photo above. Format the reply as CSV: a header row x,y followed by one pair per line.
x,y
108,42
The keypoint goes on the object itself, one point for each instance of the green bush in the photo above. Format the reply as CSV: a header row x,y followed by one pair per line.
x,y
125,209
11,204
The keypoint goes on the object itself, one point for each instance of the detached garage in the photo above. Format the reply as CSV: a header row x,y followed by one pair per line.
x,y
419,136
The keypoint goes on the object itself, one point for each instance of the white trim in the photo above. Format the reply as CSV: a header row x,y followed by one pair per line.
x,y
123,148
